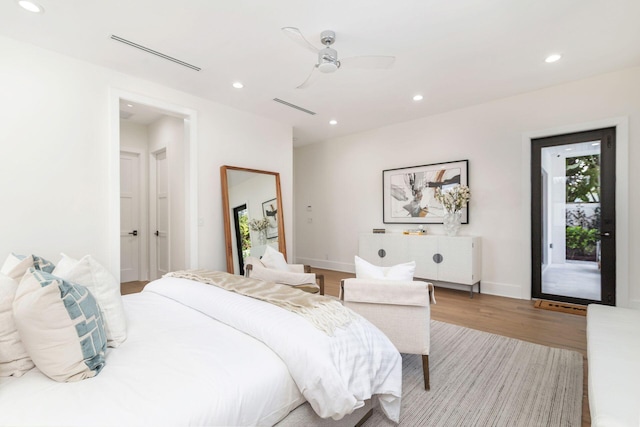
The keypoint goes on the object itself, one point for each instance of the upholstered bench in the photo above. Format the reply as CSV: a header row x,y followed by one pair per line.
x,y
613,352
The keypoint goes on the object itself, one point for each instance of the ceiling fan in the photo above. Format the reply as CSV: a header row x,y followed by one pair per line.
x,y
328,57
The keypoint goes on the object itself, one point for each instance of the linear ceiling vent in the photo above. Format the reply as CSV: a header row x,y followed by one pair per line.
x,y
288,104
154,52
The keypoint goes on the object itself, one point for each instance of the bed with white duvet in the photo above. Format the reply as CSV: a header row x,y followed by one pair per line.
x,y
196,354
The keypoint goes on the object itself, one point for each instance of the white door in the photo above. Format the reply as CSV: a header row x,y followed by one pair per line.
x,y
129,217
160,216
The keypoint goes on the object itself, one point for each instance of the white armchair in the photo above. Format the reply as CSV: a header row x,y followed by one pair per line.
x,y
296,275
400,309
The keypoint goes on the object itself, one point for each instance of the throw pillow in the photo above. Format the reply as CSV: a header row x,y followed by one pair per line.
x,y
399,272
60,325
105,288
274,259
14,359
15,266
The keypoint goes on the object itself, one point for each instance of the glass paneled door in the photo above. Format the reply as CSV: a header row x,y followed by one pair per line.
x,y
573,217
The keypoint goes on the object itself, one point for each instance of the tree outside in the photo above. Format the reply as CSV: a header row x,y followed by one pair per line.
x,y
582,191
245,235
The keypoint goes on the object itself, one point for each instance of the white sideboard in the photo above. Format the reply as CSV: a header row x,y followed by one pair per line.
x,y
439,258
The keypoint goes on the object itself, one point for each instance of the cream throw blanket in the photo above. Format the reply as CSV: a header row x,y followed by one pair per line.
x,y
323,313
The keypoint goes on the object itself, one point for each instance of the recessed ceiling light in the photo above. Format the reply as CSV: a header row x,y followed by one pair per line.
x,y
333,122
130,105
238,85
418,97
553,58
31,6
568,149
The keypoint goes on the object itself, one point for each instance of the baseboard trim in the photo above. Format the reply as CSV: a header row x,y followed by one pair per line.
x,y
327,265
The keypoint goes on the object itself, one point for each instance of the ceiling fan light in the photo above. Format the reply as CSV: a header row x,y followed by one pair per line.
x,y
553,58
327,67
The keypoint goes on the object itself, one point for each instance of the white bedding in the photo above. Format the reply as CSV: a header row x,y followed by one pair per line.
x,y
178,366
336,374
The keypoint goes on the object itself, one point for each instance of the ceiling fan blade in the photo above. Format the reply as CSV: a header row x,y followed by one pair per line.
x,y
371,62
311,78
294,34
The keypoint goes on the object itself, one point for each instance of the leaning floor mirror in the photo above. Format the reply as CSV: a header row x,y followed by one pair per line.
x,y
252,206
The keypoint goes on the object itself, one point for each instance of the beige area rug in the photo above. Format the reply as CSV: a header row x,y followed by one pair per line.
x,y
481,379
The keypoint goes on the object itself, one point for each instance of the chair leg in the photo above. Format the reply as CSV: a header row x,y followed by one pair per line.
x,y
425,370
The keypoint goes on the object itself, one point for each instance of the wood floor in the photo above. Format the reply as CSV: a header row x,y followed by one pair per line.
x,y
498,315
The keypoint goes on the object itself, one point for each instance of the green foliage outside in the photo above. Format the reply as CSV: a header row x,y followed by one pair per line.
x,y
244,233
583,179
581,242
582,186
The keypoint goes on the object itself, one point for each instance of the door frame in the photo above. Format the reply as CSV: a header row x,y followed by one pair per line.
x,y
622,201
607,203
236,226
191,174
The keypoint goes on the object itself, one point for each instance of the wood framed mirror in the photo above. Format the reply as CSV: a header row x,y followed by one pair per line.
x,y
250,196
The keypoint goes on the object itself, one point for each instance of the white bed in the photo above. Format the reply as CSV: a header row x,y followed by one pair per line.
x,y
191,359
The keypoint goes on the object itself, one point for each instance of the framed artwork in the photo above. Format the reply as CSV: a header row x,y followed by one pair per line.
x,y
408,193
270,211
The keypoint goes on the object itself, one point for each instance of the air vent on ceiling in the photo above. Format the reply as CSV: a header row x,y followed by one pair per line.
x,y
154,52
288,104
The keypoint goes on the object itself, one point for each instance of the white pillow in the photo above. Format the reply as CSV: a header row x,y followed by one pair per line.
x,y
274,259
61,326
104,287
14,359
399,272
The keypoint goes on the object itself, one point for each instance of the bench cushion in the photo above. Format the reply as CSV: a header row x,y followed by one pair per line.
x,y
613,351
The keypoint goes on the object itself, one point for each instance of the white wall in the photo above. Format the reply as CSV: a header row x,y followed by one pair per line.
x,y
341,178
54,149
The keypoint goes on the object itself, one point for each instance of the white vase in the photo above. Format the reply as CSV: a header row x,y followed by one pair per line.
x,y
262,237
451,221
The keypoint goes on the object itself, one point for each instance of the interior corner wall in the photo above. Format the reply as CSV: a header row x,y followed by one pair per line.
x,y
168,133
341,178
55,142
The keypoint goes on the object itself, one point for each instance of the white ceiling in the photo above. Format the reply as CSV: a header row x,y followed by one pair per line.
x,y
455,52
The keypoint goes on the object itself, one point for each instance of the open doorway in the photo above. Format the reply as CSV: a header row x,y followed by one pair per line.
x,y
243,238
161,140
573,217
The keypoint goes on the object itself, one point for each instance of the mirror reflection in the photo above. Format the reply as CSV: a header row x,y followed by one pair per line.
x,y
253,214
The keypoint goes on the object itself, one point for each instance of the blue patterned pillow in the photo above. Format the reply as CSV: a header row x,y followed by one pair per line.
x,y
60,325
42,264
15,266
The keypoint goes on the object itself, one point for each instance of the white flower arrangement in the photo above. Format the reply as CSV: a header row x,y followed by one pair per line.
x,y
453,199
259,224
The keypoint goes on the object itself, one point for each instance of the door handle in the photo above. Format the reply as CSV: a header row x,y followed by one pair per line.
x,y
605,234
157,233
134,233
